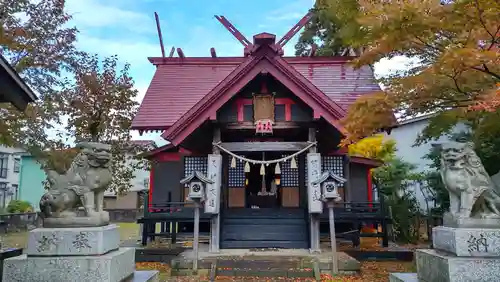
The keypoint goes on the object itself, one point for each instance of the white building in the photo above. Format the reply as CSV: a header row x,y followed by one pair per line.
x,y
140,184
405,136
10,168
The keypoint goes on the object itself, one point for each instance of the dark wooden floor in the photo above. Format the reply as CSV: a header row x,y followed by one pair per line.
x,y
264,228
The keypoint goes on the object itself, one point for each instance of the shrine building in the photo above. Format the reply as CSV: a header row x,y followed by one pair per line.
x,y
261,128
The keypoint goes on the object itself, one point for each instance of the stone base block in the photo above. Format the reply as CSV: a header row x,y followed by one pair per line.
x,y
73,241
145,276
467,242
451,221
403,277
439,266
72,220
111,267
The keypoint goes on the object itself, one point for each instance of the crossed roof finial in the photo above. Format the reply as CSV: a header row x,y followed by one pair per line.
x,y
249,45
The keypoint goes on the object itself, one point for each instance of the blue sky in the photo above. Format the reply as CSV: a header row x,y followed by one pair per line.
x,y
127,28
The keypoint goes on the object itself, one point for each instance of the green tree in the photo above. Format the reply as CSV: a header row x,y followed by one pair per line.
x,y
323,32
456,43
100,103
36,40
394,180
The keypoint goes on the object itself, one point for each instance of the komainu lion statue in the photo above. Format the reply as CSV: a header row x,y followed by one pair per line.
x,y
473,193
83,185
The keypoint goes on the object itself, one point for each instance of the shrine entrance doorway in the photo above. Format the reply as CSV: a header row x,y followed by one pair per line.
x,y
267,214
262,189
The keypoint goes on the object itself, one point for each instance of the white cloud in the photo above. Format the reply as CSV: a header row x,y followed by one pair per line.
x,y
97,14
129,50
292,11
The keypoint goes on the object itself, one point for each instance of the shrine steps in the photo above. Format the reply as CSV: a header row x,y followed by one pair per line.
x,y
264,228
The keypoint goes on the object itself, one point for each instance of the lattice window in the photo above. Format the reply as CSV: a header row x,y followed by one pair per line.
x,y
332,163
289,176
192,164
237,174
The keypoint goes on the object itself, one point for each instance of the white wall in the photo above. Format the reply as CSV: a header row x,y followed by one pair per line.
x,y
12,176
138,183
405,136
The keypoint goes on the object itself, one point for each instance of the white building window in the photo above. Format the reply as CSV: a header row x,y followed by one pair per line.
x,y
146,183
4,160
15,191
3,194
17,165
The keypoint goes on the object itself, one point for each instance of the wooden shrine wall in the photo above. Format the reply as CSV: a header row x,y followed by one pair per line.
x,y
236,184
358,187
165,175
290,196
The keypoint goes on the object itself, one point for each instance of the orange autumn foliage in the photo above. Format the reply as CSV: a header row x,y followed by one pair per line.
x,y
455,47
490,103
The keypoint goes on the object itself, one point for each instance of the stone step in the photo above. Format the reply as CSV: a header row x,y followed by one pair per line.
x,y
403,277
264,264
253,267
265,267
249,272
144,276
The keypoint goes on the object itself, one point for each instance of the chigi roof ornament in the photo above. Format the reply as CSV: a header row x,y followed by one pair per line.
x,y
264,38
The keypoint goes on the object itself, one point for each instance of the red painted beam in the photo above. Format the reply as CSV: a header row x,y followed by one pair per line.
x,y
234,31
180,53
370,186
150,194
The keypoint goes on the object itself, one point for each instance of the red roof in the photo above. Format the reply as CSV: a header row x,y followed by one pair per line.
x,y
336,78
179,84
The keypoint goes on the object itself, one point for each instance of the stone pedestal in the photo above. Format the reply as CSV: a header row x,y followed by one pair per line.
x,y
73,241
86,254
459,254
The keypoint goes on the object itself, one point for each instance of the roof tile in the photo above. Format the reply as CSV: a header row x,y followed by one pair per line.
x,y
339,81
176,88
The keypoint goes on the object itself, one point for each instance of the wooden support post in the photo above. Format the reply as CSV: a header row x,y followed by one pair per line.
x,y
196,235
383,213
144,235
314,218
347,175
215,220
174,232
333,241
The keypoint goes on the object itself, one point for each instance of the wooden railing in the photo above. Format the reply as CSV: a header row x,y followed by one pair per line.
x,y
168,213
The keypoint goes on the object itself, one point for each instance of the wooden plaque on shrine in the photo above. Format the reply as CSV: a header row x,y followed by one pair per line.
x,y
263,113
263,107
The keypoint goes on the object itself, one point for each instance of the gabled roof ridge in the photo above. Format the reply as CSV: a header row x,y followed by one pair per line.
x,y
196,60
238,60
